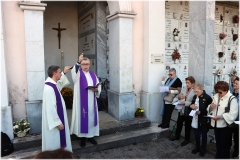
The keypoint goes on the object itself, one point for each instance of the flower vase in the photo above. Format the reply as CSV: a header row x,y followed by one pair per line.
x,y
219,59
221,41
139,116
174,15
233,60
21,134
176,38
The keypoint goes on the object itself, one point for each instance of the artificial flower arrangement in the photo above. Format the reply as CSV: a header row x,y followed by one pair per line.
x,y
176,55
219,72
176,32
233,72
21,126
220,54
222,35
139,111
233,56
236,19
67,94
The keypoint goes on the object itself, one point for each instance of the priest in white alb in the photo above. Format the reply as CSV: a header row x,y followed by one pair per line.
x,y
85,122
55,129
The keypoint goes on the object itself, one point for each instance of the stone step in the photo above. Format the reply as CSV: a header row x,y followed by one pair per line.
x,y
109,141
108,125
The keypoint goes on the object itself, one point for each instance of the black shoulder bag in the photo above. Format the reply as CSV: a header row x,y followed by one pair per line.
x,y
227,109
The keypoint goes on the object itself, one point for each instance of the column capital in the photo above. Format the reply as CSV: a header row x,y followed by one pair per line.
x,y
120,14
32,6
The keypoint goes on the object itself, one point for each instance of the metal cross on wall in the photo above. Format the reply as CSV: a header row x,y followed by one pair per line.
x,y
59,34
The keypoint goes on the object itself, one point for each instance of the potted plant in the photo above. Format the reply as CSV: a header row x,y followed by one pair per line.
x,y
222,36
139,112
176,55
236,20
175,34
233,56
233,72
21,127
67,94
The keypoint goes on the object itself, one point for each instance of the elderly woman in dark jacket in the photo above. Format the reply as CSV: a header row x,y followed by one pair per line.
x,y
200,102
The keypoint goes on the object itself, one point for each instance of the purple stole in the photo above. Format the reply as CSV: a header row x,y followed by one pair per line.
x,y
60,113
84,101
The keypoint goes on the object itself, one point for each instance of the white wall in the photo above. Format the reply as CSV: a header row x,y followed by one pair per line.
x,y
65,13
14,45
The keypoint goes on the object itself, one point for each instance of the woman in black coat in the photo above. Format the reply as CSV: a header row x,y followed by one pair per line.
x,y
200,102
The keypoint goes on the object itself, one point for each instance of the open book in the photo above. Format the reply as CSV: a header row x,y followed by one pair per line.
x,y
89,87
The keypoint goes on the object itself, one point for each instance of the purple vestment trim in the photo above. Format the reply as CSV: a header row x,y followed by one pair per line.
x,y
84,101
60,113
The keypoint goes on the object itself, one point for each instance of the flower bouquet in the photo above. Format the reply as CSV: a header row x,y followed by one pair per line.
x,y
220,54
67,94
176,32
233,56
222,35
21,126
236,19
139,112
176,55
233,72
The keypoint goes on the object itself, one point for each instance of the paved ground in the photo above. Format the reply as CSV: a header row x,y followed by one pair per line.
x,y
155,149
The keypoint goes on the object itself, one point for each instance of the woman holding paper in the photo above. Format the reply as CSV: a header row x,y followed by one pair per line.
x,y
223,133
200,102
185,100
175,85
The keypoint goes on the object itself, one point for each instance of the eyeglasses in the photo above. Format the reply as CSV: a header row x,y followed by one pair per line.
x,y
219,92
170,74
85,64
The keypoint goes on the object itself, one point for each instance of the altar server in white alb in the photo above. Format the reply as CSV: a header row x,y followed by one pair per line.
x,y
85,122
55,129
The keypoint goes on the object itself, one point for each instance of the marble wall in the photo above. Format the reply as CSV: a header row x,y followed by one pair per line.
x,y
201,42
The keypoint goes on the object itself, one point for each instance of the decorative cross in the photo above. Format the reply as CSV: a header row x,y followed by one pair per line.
x,y
84,113
59,34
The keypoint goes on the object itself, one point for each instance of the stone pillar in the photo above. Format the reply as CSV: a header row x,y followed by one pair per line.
x,y
6,110
34,42
120,95
33,20
201,42
154,44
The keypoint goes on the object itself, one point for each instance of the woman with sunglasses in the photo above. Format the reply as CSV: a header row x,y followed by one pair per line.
x,y
175,85
220,119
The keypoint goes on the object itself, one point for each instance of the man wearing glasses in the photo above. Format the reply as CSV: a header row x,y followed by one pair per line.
x,y
85,123
175,85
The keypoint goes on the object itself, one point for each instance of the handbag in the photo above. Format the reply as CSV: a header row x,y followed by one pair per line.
x,y
169,97
227,109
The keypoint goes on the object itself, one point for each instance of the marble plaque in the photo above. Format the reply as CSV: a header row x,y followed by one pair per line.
x,y
170,25
87,21
183,73
218,30
184,10
228,15
184,30
218,15
87,44
171,10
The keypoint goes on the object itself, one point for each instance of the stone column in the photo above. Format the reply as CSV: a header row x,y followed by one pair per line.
x,y
34,41
6,110
201,42
120,95
154,44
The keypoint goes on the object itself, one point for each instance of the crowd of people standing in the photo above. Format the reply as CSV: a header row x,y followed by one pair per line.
x,y
202,112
